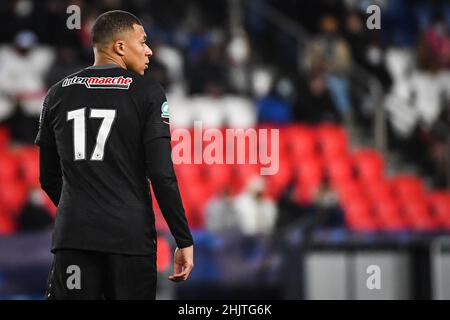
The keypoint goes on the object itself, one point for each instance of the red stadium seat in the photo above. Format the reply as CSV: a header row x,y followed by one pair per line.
x,y
348,190
276,183
358,215
216,176
5,136
29,164
298,141
389,216
163,254
241,175
378,190
408,187
339,169
9,166
187,173
332,140
7,225
13,195
309,176
194,199
440,207
418,215
368,164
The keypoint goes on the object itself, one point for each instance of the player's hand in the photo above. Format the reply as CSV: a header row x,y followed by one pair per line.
x,y
183,262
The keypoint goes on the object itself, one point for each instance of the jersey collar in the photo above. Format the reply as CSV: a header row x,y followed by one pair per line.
x,y
104,66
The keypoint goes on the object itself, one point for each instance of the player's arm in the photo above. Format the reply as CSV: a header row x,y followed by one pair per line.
x,y
164,183
50,175
160,170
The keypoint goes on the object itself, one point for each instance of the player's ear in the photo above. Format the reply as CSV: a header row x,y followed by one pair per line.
x,y
119,47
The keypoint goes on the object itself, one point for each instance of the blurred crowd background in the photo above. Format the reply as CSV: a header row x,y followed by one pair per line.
x,y
364,120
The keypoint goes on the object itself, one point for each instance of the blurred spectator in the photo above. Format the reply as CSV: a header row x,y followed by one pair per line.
x,y
439,149
159,72
23,68
314,104
329,213
323,212
238,54
34,215
209,73
289,211
434,46
256,214
276,106
168,64
221,216
330,52
356,37
66,63
365,48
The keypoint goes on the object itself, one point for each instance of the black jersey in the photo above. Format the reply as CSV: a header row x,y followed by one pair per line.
x,y
104,123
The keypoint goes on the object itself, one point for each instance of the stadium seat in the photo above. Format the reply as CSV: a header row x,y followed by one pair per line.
x,y
440,207
368,164
208,110
241,175
418,215
29,163
187,173
332,140
298,141
408,187
9,166
13,195
348,190
388,214
181,111
339,169
195,197
216,176
377,190
7,225
278,182
309,175
239,112
5,136
163,254
358,215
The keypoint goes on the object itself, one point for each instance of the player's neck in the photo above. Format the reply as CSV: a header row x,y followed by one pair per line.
x,y
101,60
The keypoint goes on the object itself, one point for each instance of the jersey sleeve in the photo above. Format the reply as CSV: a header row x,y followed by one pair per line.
x,y
46,135
164,183
157,114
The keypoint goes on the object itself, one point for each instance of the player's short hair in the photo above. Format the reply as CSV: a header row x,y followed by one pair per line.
x,y
110,23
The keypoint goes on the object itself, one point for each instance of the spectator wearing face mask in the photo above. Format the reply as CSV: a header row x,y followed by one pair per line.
x,y
255,213
24,65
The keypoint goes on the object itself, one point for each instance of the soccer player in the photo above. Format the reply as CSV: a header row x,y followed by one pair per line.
x,y
104,131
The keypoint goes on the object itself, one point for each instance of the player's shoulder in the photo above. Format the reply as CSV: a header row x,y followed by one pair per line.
x,y
55,88
150,84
